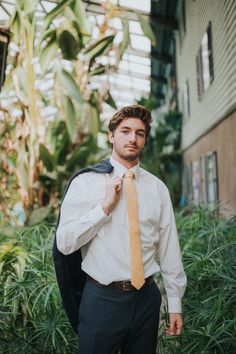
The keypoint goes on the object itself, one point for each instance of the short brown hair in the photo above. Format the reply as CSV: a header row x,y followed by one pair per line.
x,y
134,111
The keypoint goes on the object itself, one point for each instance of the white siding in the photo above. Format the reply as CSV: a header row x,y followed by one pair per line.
x,y
220,98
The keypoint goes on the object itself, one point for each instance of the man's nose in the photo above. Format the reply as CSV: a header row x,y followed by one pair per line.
x,y
132,136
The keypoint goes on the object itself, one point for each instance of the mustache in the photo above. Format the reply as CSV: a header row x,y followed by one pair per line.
x,y
132,145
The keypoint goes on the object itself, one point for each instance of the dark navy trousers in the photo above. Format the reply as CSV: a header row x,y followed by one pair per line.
x,y
113,320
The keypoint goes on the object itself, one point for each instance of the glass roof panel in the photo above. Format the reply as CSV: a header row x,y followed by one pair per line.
x,y
144,5
133,80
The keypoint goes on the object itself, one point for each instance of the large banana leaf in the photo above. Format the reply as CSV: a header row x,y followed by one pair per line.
x,y
18,77
22,168
125,40
94,121
69,84
70,119
78,158
47,158
99,70
77,7
30,6
98,47
109,100
56,11
147,29
50,33
39,215
48,54
62,143
68,45
15,26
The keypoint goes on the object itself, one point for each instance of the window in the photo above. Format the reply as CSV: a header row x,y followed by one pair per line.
x,y
196,182
186,101
210,187
182,19
188,182
204,63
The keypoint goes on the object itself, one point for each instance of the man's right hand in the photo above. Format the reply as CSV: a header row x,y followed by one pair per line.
x,y
112,193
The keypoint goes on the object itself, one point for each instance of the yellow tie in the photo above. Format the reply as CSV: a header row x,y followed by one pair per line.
x,y
136,263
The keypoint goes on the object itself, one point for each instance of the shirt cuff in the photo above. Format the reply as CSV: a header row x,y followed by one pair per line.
x,y
174,305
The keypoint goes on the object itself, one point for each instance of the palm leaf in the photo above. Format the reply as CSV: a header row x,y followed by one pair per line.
x,y
98,47
56,11
68,45
70,119
47,158
147,29
69,84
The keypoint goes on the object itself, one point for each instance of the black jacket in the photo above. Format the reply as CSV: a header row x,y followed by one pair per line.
x,y
70,277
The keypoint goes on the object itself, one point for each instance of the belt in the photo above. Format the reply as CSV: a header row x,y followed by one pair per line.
x,y
123,285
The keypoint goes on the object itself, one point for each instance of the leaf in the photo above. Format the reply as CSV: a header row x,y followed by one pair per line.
x,y
51,32
48,54
81,17
78,157
69,84
39,215
94,122
98,47
47,158
68,45
15,25
70,119
125,40
30,6
109,100
22,168
58,10
97,71
147,29
18,77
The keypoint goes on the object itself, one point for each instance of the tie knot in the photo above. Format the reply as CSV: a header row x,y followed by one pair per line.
x,y
129,174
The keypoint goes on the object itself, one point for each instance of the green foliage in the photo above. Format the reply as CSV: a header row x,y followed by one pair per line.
x,y
208,247
162,155
147,29
32,319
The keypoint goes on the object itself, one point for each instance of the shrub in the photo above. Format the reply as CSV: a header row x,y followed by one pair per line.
x,y
208,246
32,319
31,316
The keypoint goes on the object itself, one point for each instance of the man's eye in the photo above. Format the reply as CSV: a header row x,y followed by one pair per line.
x,y
124,131
141,134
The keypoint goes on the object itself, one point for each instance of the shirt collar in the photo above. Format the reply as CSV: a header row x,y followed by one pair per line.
x,y
119,169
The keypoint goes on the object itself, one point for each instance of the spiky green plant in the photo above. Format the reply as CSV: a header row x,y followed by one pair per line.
x,y
208,245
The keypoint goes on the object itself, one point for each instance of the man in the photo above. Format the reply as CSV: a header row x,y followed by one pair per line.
x,y
118,312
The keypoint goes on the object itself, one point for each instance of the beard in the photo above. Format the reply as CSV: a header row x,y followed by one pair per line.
x,y
128,156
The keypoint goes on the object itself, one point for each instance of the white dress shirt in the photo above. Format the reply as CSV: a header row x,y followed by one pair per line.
x,y
104,240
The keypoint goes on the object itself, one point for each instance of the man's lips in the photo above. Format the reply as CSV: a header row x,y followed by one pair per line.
x,y
131,147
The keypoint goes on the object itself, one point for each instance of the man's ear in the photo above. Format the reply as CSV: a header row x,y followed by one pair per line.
x,y
111,137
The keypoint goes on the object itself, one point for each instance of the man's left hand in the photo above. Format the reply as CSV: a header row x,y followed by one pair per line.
x,y
176,324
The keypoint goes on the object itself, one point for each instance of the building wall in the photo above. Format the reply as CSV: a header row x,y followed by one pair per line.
x,y
220,98
220,139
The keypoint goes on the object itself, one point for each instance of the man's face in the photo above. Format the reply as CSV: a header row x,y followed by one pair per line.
x,y
128,139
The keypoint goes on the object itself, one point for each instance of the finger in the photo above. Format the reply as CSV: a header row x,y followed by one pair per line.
x,y
118,186
178,331
179,328
171,328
